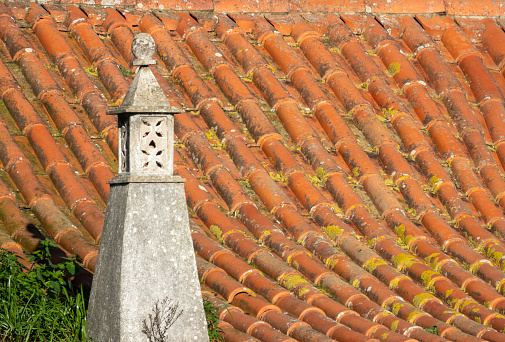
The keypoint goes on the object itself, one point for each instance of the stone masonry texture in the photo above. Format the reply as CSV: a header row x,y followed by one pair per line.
x,y
148,255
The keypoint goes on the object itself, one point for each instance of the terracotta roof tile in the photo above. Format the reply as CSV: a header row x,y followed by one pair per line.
x,y
485,8
251,6
482,8
344,172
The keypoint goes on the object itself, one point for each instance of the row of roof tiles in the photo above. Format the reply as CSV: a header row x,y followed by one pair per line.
x,y
451,7
295,194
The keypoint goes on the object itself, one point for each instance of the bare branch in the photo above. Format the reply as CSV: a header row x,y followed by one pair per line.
x,y
164,316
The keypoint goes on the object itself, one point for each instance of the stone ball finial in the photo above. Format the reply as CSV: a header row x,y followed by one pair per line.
x,y
143,48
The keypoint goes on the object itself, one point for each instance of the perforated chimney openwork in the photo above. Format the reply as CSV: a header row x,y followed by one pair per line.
x,y
153,143
146,144
145,120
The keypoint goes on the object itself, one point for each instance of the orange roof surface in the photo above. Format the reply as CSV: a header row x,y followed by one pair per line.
x,y
345,172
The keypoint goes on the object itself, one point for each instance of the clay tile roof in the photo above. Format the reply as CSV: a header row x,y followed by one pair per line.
x,y
344,160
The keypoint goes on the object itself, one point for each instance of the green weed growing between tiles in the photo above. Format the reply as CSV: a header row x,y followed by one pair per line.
x,y
212,321
40,303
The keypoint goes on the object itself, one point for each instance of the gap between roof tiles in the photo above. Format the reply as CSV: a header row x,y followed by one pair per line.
x,y
96,15
282,23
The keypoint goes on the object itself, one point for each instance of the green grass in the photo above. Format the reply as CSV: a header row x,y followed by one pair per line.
x,y
40,303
